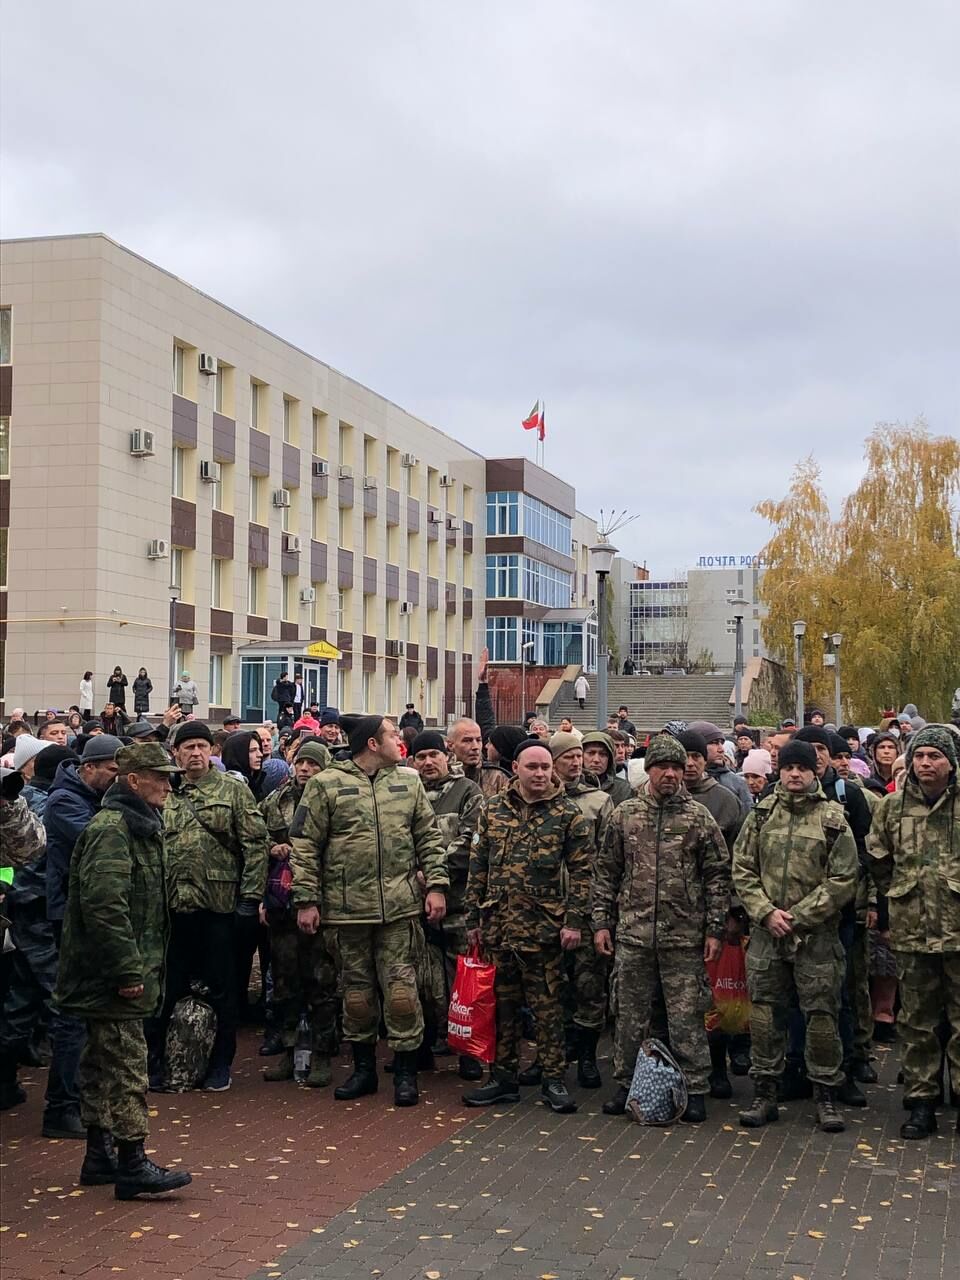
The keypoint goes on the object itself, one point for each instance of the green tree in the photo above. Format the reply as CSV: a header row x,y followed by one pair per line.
x,y
886,574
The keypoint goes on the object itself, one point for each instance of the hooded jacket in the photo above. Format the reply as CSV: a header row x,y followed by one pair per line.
x,y
734,782
618,789
71,805
116,927
721,804
456,803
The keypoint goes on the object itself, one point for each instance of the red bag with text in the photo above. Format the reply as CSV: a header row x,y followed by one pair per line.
x,y
731,1003
472,1017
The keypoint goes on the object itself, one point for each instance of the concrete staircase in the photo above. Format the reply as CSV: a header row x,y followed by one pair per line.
x,y
653,700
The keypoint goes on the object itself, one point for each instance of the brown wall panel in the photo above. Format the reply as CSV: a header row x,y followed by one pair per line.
x,y
318,633
290,563
413,668
450,596
413,651
501,609
183,523
346,661
4,503
345,641
413,586
221,535
390,667
345,493
344,567
369,576
258,546
413,515
391,581
184,423
6,390
508,546
224,439
291,466
319,486
391,507
257,626
521,475
468,537
369,662
289,631
221,631
259,446
369,502
433,662
433,529
369,644
184,621
318,561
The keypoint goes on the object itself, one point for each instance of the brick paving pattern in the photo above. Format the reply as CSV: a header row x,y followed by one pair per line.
x,y
289,1184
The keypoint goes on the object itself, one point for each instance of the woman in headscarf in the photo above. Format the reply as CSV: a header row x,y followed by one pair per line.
x,y
242,756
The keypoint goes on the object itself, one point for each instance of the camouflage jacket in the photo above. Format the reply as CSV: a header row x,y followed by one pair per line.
x,y
490,778
617,788
115,928
662,874
595,805
23,845
204,872
517,892
797,853
278,809
915,851
722,805
358,843
456,802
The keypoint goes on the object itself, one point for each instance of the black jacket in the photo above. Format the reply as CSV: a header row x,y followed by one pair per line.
x,y
117,691
142,689
411,720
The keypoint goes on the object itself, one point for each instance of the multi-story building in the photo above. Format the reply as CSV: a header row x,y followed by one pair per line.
x,y
181,489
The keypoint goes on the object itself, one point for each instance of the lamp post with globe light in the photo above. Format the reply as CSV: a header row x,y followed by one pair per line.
x,y
601,562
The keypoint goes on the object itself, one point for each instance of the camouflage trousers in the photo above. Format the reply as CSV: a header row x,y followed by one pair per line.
x,y
113,1078
858,994
304,975
808,970
588,979
374,958
533,979
929,993
437,970
680,972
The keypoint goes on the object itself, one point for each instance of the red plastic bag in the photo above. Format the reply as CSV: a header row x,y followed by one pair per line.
x,y
472,1016
731,1003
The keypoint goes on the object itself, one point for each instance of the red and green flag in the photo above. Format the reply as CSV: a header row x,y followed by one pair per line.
x,y
537,420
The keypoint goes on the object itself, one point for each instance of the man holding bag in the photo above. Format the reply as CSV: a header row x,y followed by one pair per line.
x,y
527,902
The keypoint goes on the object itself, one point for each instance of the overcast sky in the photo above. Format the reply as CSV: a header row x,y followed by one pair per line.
x,y
714,237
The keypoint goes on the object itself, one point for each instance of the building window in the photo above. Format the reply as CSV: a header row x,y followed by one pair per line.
x,y
503,513
503,577
178,354
219,496
4,535
223,390
6,326
288,598
255,594
177,483
389,692
257,410
366,688
176,569
319,441
4,447
216,583
215,681
256,499
318,520
562,644
290,420
341,687
547,526
502,639
316,609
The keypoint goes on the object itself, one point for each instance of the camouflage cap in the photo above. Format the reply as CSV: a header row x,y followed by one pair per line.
x,y
665,749
143,757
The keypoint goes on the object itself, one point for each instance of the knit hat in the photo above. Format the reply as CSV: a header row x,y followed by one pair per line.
x,y
315,751
917,723
103,747
190,730
839,746
813,733
329,715
526,744
797,752
787,723
757,761
711,732
506,738
934,735
693,743
908,712
359,731
428,740
48,762
560,743
26,748
849,731
665,749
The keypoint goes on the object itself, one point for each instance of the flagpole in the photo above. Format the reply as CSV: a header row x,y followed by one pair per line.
x,y
541,443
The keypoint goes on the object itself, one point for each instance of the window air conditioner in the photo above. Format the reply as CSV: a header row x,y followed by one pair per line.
x,y
345,472
308,595
320,468
281,497
210,472
369,482
408,459
158,549
208,364
291,542
405,607
396,648
141,444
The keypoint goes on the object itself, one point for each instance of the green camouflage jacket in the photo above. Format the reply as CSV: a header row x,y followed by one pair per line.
x,y
617,788
915,849
796,853
202,872
517,892
662,875
358,843
115,928
22,835
595,805
278,810
456,802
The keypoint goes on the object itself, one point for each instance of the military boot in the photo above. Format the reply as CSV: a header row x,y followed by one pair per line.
x,y
720,1086
696,1111
531,1075
616,1105
828,1117
571,1042
763,1109
11,1094
282,1069
495,1090
922,1121
554,1094
863,1071
364,1078
469,1068
138,1175
405,1092
850,1093
63,1122
100,1159
588,1073
321,1072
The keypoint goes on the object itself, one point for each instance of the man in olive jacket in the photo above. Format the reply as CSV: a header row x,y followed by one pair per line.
x,y
111,968
915,849
363,835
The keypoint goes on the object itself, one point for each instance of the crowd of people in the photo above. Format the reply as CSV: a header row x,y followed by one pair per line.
x,y
148,863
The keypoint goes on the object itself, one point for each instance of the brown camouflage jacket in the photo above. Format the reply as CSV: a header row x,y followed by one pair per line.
x,y
456,803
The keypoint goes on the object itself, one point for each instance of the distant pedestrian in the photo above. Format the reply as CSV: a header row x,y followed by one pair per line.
x,y
581,690
117,688
186,693
86,695
142,689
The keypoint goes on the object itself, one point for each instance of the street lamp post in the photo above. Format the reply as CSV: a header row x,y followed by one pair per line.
x,y
837,637
601,562
738,659
799,628
172,660
530,644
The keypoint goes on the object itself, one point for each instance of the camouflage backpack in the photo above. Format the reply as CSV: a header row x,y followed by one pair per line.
x,y
190,1034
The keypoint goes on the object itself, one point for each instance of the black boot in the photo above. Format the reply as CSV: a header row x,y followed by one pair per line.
x,y
11,1094
763,1109
425,1059
588,1073
100,1159
496,1090
364,1077
850,1093
531,1075
720,1086
828,1117
63,1123
554,1094
696,1111
138,1175
616,1105
922,1122
863,1072
571,1042
795,1084
272,1044
470,1068
405,1092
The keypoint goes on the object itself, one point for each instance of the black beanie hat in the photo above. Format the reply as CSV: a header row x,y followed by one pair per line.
x,y
839,746
796,752
506,738
359,731
429,740
50,759
849,731
813,733
692,741
190,730
526,743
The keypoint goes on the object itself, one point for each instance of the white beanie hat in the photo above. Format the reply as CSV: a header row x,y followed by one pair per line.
x,y
757,761
26,748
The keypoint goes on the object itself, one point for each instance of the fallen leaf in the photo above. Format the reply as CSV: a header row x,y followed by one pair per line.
x,y
866,1218
817,1235
136,1235
432,1275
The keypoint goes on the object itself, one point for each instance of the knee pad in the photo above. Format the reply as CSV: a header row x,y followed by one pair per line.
x,y
358,1004
402,1002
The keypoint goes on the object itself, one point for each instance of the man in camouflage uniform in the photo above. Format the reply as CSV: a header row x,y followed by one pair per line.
x,y
527,903
303,969
586,972
794,869
23,844
361,834
215,846
915,847
662,881
111,969
497,770
456,802
600,761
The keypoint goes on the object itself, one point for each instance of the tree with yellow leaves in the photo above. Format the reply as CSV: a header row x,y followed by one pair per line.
x,y
886,574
